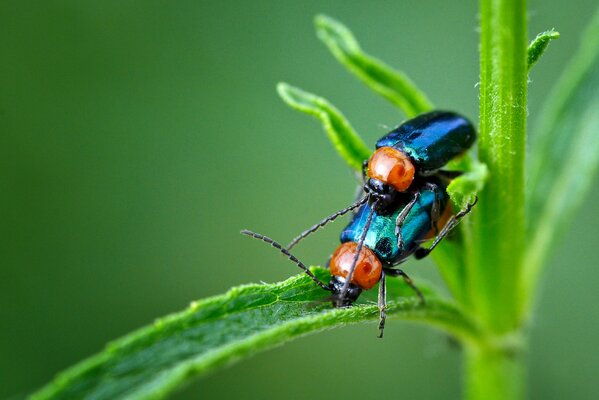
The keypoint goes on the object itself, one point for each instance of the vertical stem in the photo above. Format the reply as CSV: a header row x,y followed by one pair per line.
x,y
495,257
494,374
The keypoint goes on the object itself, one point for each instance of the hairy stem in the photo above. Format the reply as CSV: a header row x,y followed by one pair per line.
x,y
498,232
495,254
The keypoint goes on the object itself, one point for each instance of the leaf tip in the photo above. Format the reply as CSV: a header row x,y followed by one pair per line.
x,y
293,96
325,23
539,44
321,20
283,88
334,34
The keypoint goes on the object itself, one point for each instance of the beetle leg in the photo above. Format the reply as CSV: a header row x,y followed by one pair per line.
x,y
382,303
422,252
398,272
401,217
436,208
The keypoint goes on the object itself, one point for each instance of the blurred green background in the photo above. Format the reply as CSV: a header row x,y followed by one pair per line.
x,y
138,138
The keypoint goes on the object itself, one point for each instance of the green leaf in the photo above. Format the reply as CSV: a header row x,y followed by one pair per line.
x,y
449,258
565,152
464,189
537,47
218,331
393,85
346,141
449,255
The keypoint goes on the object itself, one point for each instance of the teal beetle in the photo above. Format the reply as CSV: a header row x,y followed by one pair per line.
x,y
373,244
392,242
404,205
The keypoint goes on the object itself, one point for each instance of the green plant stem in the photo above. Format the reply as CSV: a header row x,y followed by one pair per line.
x,y
493,374
499,226
495,255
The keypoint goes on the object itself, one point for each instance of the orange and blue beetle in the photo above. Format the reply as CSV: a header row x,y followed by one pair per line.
x,y
404,204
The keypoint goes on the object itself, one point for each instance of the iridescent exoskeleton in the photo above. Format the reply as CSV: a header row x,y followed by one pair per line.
x,y
403,204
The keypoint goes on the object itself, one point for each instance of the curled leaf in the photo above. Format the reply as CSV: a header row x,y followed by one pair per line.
x,y
345,139
537,47
393,85
449,255
464,189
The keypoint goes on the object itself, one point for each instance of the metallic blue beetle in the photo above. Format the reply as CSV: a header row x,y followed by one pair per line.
x,y
393,243
417,148
404,205
432,139
373,244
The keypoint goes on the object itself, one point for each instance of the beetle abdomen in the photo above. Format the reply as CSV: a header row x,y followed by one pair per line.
x,y
382,237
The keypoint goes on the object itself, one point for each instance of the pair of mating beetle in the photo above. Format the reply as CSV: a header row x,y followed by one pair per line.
x,y
405,203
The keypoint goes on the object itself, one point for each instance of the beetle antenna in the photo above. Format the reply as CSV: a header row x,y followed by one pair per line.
x,y
358,250
290,256
325,221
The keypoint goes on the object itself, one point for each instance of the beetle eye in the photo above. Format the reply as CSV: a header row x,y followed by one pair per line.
x,y
391,167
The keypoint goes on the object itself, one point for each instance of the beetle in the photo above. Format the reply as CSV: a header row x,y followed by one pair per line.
x,y
372,244
405,203
417,148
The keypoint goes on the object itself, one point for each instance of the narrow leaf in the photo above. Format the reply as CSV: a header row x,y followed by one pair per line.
x,y
565,153
393,85
345,139
218,331
537,47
